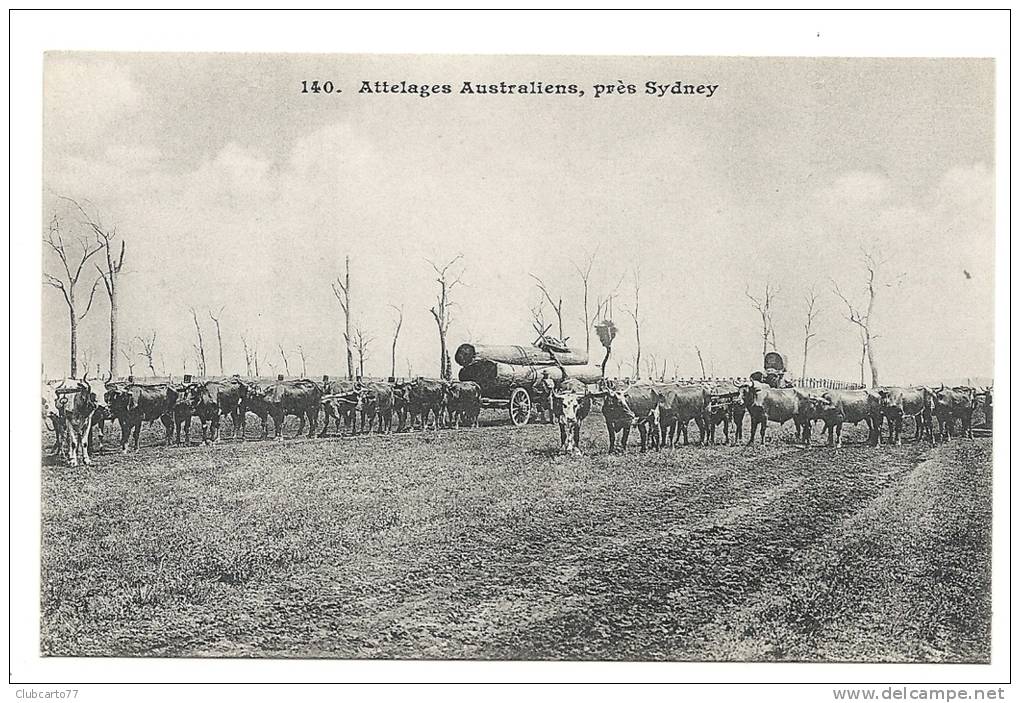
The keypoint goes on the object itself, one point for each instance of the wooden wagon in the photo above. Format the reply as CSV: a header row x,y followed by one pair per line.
x,y
518,387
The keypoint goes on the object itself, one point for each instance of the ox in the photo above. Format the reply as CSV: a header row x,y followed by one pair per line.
x,y
571,403
726,407
131,404
952,404
853,407
426,396
636,406
677,406
898,403
764,403
340,404
51,415
401,404
300,397
76,405
210,400
464,403
376,403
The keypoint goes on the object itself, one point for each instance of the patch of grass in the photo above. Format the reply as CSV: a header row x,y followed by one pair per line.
x,y
487,543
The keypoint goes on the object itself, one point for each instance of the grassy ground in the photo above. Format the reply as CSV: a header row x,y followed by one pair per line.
x,y
487,543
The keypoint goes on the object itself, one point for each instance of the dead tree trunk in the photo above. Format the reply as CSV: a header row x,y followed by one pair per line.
x,y
396,333
200,347
342,291
701,361
809,333
283,355
72,270
148,345
441,311
248,357
304,368
764,307
864,320
636,315
219,338
557,305
109,273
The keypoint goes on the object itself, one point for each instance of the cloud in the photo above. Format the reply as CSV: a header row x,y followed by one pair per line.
x,y
856,189
84,98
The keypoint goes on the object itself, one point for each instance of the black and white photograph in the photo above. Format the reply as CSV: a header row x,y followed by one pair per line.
x,y
516,357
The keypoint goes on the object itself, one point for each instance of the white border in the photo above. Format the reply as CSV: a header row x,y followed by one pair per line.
x,y
637,33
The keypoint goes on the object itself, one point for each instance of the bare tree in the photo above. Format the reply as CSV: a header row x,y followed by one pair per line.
x,y
441,311
635,314
342,291
126,353
86,360
585,273
557,304
200,347
701,361
362,342
862,316
72,263
811,299
109,273
304,368
219,338
250,361
396,333
763,304
148,345
283,355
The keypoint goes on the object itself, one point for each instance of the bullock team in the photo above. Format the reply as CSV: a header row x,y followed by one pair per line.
x,y
661,412
77,412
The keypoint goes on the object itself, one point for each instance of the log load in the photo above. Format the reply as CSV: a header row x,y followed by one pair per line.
x,y
468,354
495,375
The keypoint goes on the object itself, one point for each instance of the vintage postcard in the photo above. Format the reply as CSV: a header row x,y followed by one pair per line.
x,y
517,357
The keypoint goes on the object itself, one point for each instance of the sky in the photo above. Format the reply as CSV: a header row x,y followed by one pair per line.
x,y
235,191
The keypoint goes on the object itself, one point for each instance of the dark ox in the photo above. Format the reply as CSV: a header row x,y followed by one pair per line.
x,y
952,404
637,406
132,404
299,397
853,407
401,404
764,404
425,397
571,404
899,403
76,405
376,406
210,400
677,406
340,404
725,407
464,403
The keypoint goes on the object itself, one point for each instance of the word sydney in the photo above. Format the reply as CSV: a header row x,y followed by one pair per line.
x,y
659,90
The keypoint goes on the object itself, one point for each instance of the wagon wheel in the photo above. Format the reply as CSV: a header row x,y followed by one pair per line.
x,y
520,407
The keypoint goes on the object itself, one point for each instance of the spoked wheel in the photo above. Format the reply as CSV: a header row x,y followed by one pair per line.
x,y
520,407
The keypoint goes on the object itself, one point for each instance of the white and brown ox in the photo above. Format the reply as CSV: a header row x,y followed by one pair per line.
x,y
76,406
571,403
